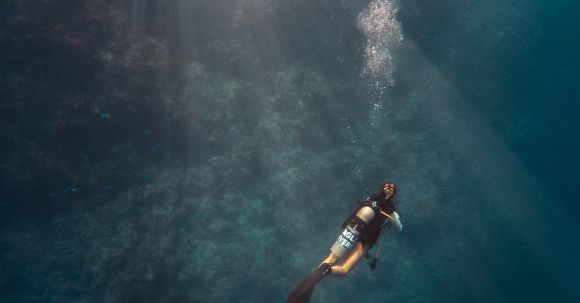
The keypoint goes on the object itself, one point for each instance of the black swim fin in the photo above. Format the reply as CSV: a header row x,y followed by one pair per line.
x,y
303,292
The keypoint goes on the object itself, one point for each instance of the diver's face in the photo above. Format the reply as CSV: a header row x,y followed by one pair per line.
x,y
389,189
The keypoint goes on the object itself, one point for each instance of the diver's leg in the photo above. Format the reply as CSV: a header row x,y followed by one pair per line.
x,y
353,257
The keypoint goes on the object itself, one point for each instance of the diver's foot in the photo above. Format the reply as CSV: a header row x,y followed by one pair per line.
x,y
326,268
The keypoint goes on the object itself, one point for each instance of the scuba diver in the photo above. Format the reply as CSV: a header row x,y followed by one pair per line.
x,y
362,230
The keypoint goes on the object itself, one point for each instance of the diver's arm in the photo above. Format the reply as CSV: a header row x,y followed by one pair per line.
x,y
353,257
395,219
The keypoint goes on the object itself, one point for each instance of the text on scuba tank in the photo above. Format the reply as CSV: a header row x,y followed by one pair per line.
x,y
347,239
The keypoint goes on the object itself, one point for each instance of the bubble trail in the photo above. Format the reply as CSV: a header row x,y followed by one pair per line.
x,y
382,31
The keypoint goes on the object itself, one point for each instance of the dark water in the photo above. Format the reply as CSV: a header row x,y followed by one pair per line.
x,y
207,151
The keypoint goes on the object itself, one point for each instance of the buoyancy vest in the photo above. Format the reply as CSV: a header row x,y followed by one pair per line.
x,y
369,232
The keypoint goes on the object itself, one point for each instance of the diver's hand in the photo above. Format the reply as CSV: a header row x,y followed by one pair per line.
x,y
373,264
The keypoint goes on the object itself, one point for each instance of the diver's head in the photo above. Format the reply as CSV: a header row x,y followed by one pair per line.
x,y
389,189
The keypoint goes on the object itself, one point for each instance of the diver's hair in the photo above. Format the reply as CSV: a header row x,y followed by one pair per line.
x,y
388,204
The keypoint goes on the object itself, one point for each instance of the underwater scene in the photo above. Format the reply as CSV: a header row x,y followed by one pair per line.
x,y
211,150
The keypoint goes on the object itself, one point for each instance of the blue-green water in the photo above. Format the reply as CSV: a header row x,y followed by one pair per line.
x,y
208,151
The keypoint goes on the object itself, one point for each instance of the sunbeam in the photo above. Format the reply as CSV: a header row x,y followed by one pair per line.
x,y
209,151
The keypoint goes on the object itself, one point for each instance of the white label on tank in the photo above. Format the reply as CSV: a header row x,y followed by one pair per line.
x,y
348,238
